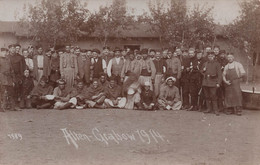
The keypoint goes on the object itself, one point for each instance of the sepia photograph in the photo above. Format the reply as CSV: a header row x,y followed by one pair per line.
x,y
129,82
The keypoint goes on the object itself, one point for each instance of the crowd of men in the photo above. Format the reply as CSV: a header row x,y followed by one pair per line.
x,y
205,80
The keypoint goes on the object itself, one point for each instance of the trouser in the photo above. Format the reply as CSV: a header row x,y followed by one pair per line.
x,y
25,102
93,103
118,79
190,90
163,105
121,102
157,84
220,96
211,98
17,89
7,99
36,101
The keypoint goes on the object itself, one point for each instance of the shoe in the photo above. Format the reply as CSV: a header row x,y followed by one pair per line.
x,y
207,111
194,108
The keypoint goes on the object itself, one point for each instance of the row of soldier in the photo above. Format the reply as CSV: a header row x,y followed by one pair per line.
x,y
191,71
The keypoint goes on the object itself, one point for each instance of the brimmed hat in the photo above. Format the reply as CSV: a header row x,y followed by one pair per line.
x,y
171,78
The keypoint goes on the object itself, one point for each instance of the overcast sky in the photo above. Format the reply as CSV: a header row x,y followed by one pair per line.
x,y
225,11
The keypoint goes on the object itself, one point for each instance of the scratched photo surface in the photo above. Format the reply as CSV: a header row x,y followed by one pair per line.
x,y
118,136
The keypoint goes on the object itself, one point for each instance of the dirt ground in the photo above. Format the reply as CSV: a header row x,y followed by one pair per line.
x,y
128,137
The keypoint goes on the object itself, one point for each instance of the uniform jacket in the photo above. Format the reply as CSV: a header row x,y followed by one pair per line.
x,y
212,75
6,72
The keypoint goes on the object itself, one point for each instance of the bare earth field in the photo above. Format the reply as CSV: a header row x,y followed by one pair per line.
x,y
128,137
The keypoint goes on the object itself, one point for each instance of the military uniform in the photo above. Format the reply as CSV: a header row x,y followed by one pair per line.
x,y
212,76
18,65
7,77
191,82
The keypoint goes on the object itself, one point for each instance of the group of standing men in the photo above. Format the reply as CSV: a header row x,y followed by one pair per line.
x,y
147,79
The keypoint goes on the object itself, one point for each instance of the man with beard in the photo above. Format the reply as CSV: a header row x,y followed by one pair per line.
x,y
115,66
169,98
113,95
233,72
68,66
152,54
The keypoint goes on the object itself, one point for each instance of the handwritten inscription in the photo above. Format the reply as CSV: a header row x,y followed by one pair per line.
x,y
96,135
15,136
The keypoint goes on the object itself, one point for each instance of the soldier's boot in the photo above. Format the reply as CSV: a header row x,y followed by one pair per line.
x,y
220,105
238,111
208,103
228,111
215,107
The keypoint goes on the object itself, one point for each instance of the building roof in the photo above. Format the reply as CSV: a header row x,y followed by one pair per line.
x,y
139,31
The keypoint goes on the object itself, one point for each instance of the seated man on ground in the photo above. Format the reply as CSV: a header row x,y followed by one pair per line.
x,y
78,93
62,96
169,98
113,95
39,93
148,98
132,88
94,95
